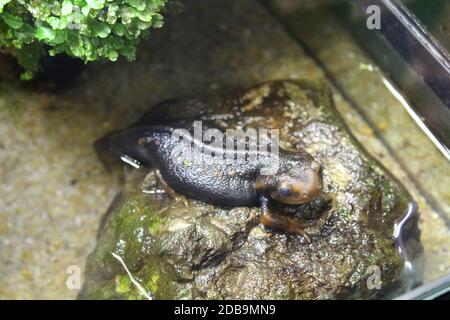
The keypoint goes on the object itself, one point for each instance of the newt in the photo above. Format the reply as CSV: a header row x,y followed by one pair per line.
x,y
297,179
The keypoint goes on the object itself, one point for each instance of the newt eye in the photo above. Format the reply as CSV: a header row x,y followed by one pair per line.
x,y
284,191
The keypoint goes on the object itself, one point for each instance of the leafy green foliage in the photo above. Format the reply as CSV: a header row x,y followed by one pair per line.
x,y
85,29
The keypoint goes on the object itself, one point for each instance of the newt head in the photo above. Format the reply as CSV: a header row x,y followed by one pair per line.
x,y
294,185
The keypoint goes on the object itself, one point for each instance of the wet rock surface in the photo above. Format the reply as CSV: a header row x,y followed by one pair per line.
x,y
150,245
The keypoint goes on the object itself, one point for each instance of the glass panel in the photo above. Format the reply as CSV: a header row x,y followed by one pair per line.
x,y
379,85
435,16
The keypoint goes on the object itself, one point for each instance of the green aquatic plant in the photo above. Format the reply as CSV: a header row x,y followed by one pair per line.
x,y
84,29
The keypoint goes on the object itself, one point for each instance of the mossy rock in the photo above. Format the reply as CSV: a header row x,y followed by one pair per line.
x,y
152,246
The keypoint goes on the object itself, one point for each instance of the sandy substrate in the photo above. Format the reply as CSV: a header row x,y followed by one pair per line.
x,y
53,190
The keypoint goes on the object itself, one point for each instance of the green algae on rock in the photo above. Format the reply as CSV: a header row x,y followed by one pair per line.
x,y
150,245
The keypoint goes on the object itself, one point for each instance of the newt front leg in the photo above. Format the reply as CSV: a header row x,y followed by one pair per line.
x,y
280,222
172,193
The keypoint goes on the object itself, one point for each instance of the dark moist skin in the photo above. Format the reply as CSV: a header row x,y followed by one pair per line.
x,y
298,179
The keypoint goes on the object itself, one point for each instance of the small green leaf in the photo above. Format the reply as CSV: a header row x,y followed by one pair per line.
x,y
12,21
26,34
56,23
44,33
138,4
158,21
95,4
85,10
113,55
66,7
27,76
60,37
145,16
101,29
120,30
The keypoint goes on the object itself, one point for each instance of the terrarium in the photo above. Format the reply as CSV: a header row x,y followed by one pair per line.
x,y
99,200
